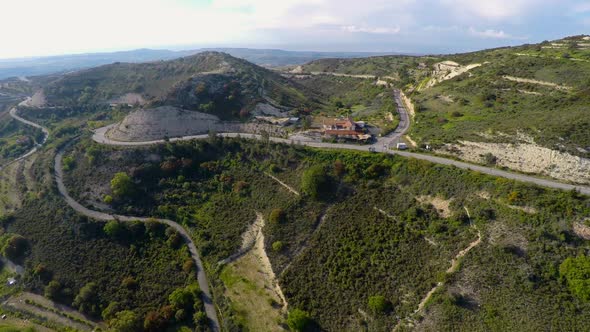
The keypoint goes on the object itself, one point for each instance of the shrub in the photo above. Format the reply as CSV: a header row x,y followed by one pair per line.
x,y
576,273
115,229
154,321
108,199
278,246
109,312
276,216
188,266
122,185
489,159
124,321
87,299
52,290
514,197
68,163
378,304
16,247
298,320
129,283
315,182
200,319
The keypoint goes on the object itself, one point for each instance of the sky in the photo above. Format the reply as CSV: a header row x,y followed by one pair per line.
x,y
43,27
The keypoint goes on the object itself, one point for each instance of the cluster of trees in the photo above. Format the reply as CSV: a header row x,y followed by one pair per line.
x,y
317,183
15,247
202,184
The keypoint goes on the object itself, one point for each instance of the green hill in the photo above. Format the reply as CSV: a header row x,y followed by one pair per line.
x,y
211,81
540,91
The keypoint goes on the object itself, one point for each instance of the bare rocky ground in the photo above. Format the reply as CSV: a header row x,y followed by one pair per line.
x,y
525,157
447,70
441,205
130,99
582,230
167,121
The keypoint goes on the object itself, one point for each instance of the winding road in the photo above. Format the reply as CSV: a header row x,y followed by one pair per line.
x,y
382,145
97,215
201,276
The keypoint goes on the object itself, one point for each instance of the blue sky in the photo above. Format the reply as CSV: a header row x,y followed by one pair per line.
x,y
41,27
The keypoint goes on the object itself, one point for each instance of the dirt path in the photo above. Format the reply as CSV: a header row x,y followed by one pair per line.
x,y
453,268
253,242
249,238
283,184
260,252
39,306
305,242
543,83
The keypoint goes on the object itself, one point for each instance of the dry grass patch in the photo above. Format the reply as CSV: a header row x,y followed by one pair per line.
x,y
441,205
252,288
10,199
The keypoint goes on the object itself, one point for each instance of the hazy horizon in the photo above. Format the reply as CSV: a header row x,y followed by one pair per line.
x,y
64,27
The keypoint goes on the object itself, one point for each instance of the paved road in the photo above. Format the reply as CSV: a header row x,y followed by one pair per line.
x,y
382,145
201,276
13,114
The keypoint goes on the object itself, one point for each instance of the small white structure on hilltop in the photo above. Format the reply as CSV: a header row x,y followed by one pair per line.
x,y
10,281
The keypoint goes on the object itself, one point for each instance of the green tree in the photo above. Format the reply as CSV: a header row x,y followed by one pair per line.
x,y
200,319
576,273
87,299
115,229
52,290
298,320
181,299
378,304
154,321
122,185
276,216
315,182
124,321
278,246
108,199
16,247
109,312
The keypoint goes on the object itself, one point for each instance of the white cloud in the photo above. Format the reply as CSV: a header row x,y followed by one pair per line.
x,y
435,28
354,28
492,9
491,33
37,27
582,7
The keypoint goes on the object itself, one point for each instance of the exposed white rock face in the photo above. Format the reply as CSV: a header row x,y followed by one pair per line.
x,y
582,230
167,121
525,157
447,70
155,123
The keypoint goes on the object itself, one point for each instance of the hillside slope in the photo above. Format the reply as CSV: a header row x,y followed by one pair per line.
x,y
211,82
505,106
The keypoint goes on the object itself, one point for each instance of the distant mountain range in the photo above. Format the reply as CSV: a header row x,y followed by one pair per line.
x,y
65,63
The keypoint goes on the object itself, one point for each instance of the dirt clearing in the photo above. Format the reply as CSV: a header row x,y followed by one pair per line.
x,y
252,287
441,205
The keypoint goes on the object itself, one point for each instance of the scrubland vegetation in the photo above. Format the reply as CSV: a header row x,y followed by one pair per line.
x,y
358,250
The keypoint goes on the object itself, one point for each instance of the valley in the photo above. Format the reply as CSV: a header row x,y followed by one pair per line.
x,y
283,220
